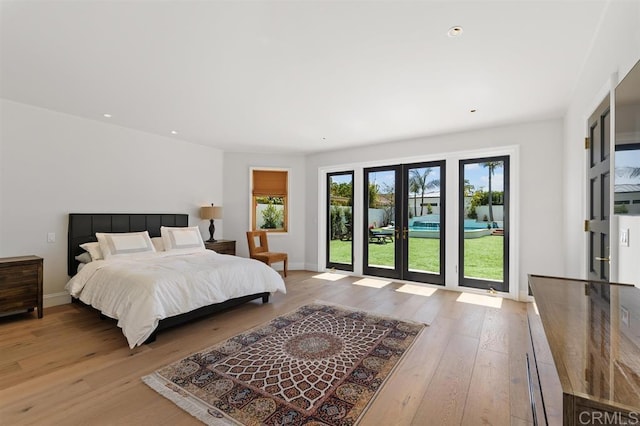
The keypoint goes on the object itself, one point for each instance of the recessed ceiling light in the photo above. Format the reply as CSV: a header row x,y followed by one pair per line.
x,y
174,132
107,115
454,31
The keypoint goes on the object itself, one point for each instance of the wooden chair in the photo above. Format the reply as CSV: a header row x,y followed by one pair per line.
x,y
262,252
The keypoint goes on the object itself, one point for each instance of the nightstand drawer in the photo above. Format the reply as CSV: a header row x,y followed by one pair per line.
x,y
16,298
222,246
16,275
21,284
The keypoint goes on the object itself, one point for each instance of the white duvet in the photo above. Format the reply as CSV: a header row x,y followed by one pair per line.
x,y
141,290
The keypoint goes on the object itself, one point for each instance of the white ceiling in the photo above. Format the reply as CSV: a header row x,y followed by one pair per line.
x,y
305,76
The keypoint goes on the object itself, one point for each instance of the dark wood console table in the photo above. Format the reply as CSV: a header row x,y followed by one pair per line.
x,y
584,357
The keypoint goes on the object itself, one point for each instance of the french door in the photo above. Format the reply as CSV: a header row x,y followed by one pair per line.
x,y
483,230
404,218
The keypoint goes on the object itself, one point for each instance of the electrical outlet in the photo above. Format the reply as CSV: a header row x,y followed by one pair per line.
x,y
624,237
51,237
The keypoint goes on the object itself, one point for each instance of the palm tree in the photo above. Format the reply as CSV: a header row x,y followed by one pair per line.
x,y
627,172
468,188
419,181
492,166
414,187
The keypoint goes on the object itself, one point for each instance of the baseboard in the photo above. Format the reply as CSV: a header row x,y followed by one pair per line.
x,y
291,266
312,267
56,299
525,297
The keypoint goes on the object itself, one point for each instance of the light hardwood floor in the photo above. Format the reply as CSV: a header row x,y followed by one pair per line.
x,y
71,368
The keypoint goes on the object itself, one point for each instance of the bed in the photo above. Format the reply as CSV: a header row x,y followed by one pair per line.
x,y
150,291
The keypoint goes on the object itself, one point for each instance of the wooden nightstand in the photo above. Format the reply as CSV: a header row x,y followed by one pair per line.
x,y
21,284
222,246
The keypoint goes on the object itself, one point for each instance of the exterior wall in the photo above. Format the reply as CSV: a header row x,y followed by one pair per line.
x,y
414,209
631,202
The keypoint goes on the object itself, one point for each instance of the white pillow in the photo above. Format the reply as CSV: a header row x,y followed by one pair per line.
x,y
157,243
93,249
124,243
184,240
84,257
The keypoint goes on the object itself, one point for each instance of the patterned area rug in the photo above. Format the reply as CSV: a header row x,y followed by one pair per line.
x,y
319,365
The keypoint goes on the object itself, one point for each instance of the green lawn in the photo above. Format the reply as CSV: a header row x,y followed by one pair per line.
x,y
483,256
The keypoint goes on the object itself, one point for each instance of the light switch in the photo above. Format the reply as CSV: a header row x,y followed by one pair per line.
x,y
51,237
624,237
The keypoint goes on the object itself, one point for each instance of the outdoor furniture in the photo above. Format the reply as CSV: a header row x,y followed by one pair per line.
x,y
346,236
261,252
380,237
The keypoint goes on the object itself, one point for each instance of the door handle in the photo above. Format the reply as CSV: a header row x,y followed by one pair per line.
x,y
603,259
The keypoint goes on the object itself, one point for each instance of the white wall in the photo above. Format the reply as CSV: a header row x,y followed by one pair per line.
x,y
53,164
629,266
540,191
237,203
614,51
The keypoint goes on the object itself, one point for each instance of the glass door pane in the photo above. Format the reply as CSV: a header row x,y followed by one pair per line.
x,y
382,207
484,223
340,220
423,224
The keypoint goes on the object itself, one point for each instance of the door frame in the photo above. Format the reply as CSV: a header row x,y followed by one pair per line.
x,y
416,276
334,265
506,280
595,220
396,272
607,89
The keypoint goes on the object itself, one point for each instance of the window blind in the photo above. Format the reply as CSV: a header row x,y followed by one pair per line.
x,y
269,183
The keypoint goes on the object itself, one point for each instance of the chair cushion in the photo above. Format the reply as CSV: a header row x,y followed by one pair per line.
x,y
270,256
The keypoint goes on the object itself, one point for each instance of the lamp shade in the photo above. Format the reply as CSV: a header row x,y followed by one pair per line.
x,y
211,212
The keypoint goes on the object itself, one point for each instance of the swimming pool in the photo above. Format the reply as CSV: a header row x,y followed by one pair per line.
x,y
431,229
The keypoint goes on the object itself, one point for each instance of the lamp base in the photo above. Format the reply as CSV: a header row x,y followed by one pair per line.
x,y
212,230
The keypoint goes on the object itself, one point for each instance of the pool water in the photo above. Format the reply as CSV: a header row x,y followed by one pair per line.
x,y
431,228
435,226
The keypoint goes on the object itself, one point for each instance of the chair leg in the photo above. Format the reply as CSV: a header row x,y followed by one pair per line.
x,y
285,268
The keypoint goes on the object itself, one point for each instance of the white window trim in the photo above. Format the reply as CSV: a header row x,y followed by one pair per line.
x,y
289,204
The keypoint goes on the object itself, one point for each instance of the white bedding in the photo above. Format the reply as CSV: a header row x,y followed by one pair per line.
x,y
140,290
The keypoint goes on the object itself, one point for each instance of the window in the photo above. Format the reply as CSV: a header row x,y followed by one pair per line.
x,y
269,189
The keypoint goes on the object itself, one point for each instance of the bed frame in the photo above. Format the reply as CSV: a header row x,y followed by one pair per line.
x,y
83,228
